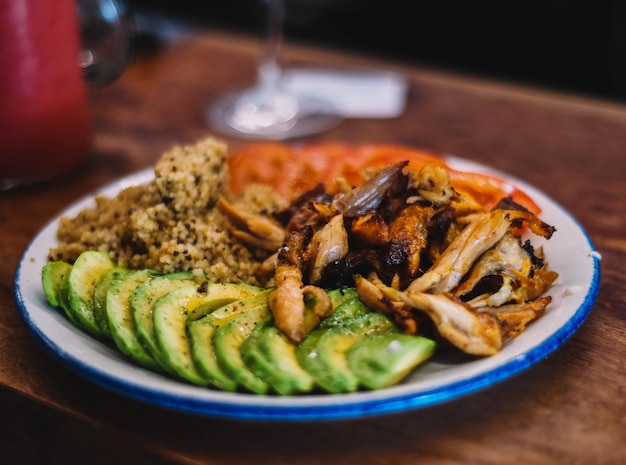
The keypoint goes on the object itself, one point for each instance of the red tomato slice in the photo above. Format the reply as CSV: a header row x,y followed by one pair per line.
x,y
292,170
270,163
353,160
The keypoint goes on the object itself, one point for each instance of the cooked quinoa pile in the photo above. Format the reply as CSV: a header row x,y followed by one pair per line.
x,y
171,223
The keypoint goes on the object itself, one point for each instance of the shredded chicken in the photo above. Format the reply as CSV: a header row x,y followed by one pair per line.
x,y
372,296
287,302
329,244
414,248
476,333
513,318
258,231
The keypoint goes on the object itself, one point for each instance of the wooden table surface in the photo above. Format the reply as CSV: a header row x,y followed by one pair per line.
x,y
569,408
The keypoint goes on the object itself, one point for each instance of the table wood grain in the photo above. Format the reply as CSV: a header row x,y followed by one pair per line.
x,y
569,408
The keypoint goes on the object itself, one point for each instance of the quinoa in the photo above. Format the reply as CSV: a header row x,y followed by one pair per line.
x,y
171,223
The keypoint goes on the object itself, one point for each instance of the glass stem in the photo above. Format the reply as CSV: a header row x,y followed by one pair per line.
x,y
270,72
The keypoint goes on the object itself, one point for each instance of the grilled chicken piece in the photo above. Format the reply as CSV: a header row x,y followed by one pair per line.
x,y
371,294
370,230
373,297
328,245
475,333
506,259
433,184
287,304
409,232
367,197
318,310
480,235
521,280
393,220
513,318
287,301
541,281
257,230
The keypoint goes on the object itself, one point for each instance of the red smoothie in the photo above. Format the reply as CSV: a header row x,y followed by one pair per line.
x,y
44,113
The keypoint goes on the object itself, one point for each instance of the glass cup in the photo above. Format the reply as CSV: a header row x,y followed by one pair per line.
x,y
47,61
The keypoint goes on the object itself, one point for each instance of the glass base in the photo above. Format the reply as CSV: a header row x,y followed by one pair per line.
x,y
254,115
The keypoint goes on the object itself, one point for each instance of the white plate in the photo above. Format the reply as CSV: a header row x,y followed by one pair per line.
x,y
569,252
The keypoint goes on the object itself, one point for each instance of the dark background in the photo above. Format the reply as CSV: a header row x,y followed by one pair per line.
x,y
571,45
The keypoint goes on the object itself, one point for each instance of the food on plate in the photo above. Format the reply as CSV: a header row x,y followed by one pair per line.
x,y
407,239
265,273
171,224
338,165
222,335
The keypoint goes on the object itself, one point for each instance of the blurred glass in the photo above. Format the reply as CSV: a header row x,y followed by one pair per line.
x,y
268,110
105,31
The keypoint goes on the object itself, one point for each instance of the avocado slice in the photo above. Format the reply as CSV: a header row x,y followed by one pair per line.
x,y
382,360
83,277
288,376
202,330
344,313
64,300
172,314
203,355
52,278
272,357
228,340
145,296
341,295
55,280
120,317
323,355
323,352
251,353
100,296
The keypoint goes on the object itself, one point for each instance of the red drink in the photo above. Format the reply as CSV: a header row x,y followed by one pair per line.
x,y
44,113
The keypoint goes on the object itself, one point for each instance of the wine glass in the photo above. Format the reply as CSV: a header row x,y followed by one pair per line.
x,y
269,110
105,34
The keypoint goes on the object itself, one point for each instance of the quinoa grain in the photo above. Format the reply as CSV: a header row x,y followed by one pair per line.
x,y
171,223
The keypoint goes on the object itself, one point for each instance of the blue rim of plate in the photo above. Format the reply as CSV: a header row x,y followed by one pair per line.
x,y
99,363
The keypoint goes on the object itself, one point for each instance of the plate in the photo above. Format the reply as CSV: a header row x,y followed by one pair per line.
x,y
569,252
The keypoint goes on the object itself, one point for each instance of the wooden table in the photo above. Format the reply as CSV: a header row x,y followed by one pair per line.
x,y
569,408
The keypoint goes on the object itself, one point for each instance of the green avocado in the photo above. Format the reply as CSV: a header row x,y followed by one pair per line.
x,y
341,295
382,360
323,352
100,296
172,314
228,340
202,331
55,280
52,278
120,317
272,357
83,278
64,300
146,295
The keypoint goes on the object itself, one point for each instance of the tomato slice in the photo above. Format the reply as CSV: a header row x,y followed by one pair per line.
x,y
488,190
294,169
265,163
